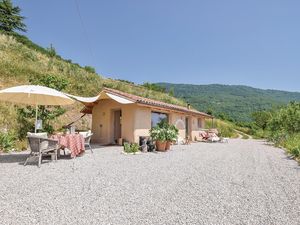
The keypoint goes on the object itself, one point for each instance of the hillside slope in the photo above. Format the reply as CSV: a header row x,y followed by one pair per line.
x,y
235,101
20,63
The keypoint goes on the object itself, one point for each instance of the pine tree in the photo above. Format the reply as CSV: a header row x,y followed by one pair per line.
x,y
10,18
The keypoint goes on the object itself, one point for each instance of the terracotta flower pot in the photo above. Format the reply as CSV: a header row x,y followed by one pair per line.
x,y
168,145
161,145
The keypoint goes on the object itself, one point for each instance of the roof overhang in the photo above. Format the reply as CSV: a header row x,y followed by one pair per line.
x,y
103,95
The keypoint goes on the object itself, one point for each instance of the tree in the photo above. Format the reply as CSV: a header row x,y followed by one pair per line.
x,y
46,113
209,111
154,87
51,51
287,119
171,91
10,18
261,118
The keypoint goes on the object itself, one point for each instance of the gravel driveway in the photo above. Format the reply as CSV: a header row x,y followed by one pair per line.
x,y
242,182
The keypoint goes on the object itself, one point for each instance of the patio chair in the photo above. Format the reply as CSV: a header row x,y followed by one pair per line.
x,y
213,137
40,146
179,141
87,139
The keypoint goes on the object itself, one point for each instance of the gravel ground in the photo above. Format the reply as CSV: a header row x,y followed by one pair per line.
x,y
242,182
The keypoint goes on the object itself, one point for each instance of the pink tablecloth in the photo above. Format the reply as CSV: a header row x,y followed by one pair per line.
x,y
73,142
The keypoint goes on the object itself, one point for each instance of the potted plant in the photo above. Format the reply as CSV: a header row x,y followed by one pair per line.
x,y
158,135
164,134
171,135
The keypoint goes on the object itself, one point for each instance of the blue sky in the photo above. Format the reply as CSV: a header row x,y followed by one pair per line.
x,y
254,42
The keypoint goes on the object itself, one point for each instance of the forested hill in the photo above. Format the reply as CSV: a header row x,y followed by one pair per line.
x,y
233,101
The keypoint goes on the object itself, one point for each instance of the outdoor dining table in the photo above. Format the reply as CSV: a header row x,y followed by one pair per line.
x,y
73,142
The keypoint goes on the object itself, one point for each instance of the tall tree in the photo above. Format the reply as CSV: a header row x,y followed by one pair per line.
x,y
10,18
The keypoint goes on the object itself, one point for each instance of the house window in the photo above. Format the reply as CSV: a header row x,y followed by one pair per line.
x,y
200,123
157,117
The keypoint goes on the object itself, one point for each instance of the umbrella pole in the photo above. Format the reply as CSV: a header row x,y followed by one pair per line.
x,y
36,115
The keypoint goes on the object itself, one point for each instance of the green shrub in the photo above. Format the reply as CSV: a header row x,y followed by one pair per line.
x,y
226,129
131,148
134,147
292,144
244,136
90,69
295,152
48,114
127,147
7,141
286,120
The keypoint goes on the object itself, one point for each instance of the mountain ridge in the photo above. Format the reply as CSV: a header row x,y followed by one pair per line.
x,y
233,102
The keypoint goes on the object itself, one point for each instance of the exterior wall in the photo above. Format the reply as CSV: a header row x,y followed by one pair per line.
x,y
142,123
179,121
102,121
195,134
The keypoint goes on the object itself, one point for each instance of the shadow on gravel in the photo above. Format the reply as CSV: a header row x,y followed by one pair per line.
x,y
20,159
13,158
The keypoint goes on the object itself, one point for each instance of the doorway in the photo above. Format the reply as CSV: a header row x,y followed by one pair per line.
x,y
187,127
117,125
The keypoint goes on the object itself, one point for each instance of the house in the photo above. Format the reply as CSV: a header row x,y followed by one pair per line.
x,y
116,114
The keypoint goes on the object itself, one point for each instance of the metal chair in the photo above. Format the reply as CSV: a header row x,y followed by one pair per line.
x,y
40,146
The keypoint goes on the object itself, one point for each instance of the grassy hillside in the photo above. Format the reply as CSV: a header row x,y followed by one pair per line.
x,y
22,62
232,101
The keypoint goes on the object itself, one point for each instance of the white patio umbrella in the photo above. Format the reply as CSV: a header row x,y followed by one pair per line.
x,y
35,95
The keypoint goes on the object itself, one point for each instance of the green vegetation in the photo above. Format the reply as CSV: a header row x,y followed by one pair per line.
x,y
225,128
10,18
7,141
131,148
90,69
281,126
48,114
230,102
154,87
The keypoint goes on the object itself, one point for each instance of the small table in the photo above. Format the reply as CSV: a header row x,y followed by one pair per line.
x,y
73,142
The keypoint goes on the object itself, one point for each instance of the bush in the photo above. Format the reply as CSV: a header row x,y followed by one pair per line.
x,y
226,129
48,114
7,141
292,144
131,148
295,152
259,133
244,136
90,69
286,120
